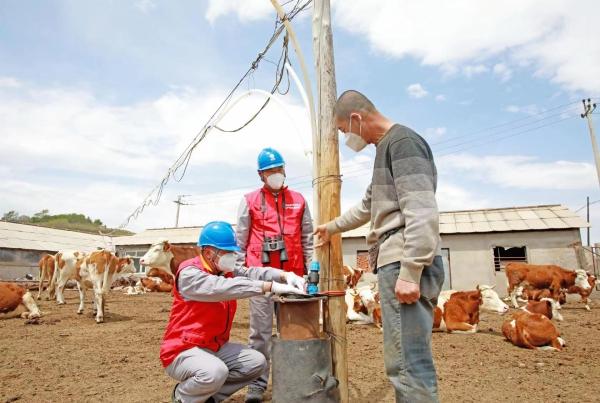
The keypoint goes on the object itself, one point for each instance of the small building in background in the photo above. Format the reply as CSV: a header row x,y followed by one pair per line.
x,y
477,244
21,246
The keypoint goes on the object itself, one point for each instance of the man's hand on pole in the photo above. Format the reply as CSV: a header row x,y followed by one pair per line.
x,y
322,234
407,292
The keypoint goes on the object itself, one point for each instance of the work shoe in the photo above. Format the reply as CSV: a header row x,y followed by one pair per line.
x,y
254,394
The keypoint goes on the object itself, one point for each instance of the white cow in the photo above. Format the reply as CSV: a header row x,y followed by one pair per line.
x,y
66,268
98,271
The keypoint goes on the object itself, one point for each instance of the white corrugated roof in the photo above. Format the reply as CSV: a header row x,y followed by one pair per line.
x,y
32,237
150,236
528,218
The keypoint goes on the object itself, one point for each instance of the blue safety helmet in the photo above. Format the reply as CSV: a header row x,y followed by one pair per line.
x,y
269,158
220,235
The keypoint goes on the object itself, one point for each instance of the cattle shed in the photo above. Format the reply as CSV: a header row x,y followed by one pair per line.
x,y
21,246
137,245
477,244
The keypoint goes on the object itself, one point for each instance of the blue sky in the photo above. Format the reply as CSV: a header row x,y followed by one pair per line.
x,y
99,98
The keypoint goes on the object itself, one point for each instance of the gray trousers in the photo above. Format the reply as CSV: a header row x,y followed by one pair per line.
x,y
261,330
407,334
202,373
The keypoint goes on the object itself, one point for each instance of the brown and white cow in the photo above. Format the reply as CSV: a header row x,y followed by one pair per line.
x,y
532,330
584,292
98,271
162,255
13,296
352,275
490,302
525,294
551,277
159,273
460,313
546,306
155,284
66,268
46,265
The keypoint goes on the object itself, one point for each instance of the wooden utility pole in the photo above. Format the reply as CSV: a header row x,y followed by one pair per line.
x,y
328,186
588,108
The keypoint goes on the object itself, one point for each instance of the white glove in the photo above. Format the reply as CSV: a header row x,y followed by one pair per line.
x,y
279,288
295,281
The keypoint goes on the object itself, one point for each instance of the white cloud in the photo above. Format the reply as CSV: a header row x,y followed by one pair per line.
x,y
246,10
550,36
145,6
440,98
473,70
9,82
503,71
521,172
531,109
453,197
416,91
53,138
434,133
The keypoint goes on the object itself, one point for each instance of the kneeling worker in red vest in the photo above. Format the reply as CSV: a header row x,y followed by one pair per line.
x,y
195,349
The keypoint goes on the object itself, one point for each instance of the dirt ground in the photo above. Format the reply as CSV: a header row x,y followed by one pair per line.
x,y
70,358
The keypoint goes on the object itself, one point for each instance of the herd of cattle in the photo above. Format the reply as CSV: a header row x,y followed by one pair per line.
x,y
542,287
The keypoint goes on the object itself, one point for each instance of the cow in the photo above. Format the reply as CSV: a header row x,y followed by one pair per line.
x,y
351,276
532,330
67,265
546,306
543,276
490,302
535,294
584,292
13,296
97,271
460,313
159,273
154,284
46,265
167,257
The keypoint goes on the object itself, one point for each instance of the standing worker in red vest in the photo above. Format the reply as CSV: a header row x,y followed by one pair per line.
x,y
274,229
195,349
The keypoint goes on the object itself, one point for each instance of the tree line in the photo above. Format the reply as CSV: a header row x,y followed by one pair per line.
x,y
72,221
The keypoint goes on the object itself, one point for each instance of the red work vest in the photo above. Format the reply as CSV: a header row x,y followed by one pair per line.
x,y
263,208
195,323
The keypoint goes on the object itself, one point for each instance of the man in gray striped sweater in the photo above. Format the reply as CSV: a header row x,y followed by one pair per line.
x,y
404,240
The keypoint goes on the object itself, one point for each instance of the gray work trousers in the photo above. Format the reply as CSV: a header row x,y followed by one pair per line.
x,y
261,330
202,373
407,334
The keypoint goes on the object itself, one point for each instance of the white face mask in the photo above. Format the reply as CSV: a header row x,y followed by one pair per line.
x,y
354,141
275,181
226,262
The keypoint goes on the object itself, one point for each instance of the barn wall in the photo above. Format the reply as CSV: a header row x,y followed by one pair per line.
x,y
16,263
472,258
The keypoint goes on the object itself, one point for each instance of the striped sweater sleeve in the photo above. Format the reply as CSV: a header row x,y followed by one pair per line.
x,y
358,215
414,181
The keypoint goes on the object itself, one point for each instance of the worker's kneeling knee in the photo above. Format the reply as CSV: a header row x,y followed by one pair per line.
x,y
257,363
213,381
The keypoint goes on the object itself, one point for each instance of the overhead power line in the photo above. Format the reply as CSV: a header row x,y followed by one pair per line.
x,y
155,194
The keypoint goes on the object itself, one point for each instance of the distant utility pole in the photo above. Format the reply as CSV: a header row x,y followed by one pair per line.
x,y
588,108
588,219
179,204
